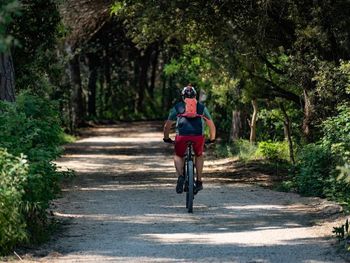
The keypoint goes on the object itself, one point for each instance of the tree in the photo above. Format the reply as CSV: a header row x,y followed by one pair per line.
x,y
8,9
7,79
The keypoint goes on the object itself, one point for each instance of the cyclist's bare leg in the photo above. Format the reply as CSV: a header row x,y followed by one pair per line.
x,y
179,164
199,166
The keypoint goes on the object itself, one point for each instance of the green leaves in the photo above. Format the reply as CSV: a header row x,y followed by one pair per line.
x,y
13,177
8,9
117,7
30,126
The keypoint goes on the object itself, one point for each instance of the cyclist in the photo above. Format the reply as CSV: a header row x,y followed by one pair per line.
x,y
190,117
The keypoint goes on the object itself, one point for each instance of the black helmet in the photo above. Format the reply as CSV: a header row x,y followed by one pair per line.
x,y
188,92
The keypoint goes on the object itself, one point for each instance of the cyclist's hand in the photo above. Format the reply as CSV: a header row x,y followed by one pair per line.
x,y
168,140
208,141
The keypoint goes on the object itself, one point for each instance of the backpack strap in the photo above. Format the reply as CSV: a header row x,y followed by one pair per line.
x,y
200,111
180,108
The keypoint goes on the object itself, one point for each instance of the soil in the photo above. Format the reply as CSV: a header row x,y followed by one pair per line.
x,y
122,207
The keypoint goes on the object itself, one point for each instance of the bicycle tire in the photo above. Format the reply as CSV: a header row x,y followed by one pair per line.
x,y
190,193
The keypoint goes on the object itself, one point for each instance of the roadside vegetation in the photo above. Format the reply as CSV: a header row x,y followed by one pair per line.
x,y
274,74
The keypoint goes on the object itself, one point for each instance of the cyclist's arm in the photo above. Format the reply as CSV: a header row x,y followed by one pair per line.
x,y
167,128
210,123
212,129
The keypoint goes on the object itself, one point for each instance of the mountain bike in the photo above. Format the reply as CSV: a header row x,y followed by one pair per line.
x,y
189,171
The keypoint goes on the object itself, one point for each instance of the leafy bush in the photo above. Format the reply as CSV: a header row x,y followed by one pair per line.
x,y
246,150
13,176
31,127
315,165
243,149
337,137
337,133
274,151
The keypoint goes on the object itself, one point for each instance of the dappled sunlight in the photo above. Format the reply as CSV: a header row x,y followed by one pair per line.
x,y
243,238
139,219
124,196
134,138
90,256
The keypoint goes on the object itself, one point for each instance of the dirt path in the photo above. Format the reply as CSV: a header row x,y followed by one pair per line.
x,y
122,207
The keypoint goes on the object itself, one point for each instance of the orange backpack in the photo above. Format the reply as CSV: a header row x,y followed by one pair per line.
x,y
190,108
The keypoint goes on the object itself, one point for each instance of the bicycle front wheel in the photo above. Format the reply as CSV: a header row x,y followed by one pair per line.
x,y
190,192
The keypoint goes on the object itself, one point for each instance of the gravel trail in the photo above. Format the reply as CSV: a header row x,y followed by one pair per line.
x,y
122,207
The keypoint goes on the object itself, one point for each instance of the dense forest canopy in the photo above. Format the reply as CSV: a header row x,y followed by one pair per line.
x,y
276,73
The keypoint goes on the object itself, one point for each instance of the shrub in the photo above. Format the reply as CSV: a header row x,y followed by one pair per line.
x,y
315,165
274,151
337,133
246,150
31,127
13,176
243,149
337,137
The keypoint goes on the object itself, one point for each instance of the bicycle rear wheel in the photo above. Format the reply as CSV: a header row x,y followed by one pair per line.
x,y
190,192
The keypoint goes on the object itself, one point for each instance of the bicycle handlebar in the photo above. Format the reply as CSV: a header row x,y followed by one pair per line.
x,y
169,140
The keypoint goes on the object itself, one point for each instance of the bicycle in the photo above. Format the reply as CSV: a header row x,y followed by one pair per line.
x,y
189,172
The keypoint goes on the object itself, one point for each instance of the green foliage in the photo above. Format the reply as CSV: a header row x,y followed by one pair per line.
x,y
274,151
315,165
344,173
190,66
337,133
67,138
242,149
36,63
271,151
8,9
13,178
31,126
323,168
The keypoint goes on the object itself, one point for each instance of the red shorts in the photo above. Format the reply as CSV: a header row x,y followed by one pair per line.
x,y
181,144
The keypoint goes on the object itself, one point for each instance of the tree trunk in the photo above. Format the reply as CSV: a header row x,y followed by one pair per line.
x,y
7,78
142,85
92,62
164,93
252,123
107,79
78,108
308,114
236,125
287,133
154,60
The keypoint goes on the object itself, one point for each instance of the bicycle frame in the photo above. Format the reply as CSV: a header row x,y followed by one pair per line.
x,y
189,173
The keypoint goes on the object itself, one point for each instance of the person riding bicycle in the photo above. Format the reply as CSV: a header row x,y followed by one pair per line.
x,y
190,117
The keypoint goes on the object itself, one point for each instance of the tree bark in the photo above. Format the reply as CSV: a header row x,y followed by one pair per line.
x,y
7,78
154,62
236,125
78,108
288,133
107,80
252,123
92,62
142,85
308,115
